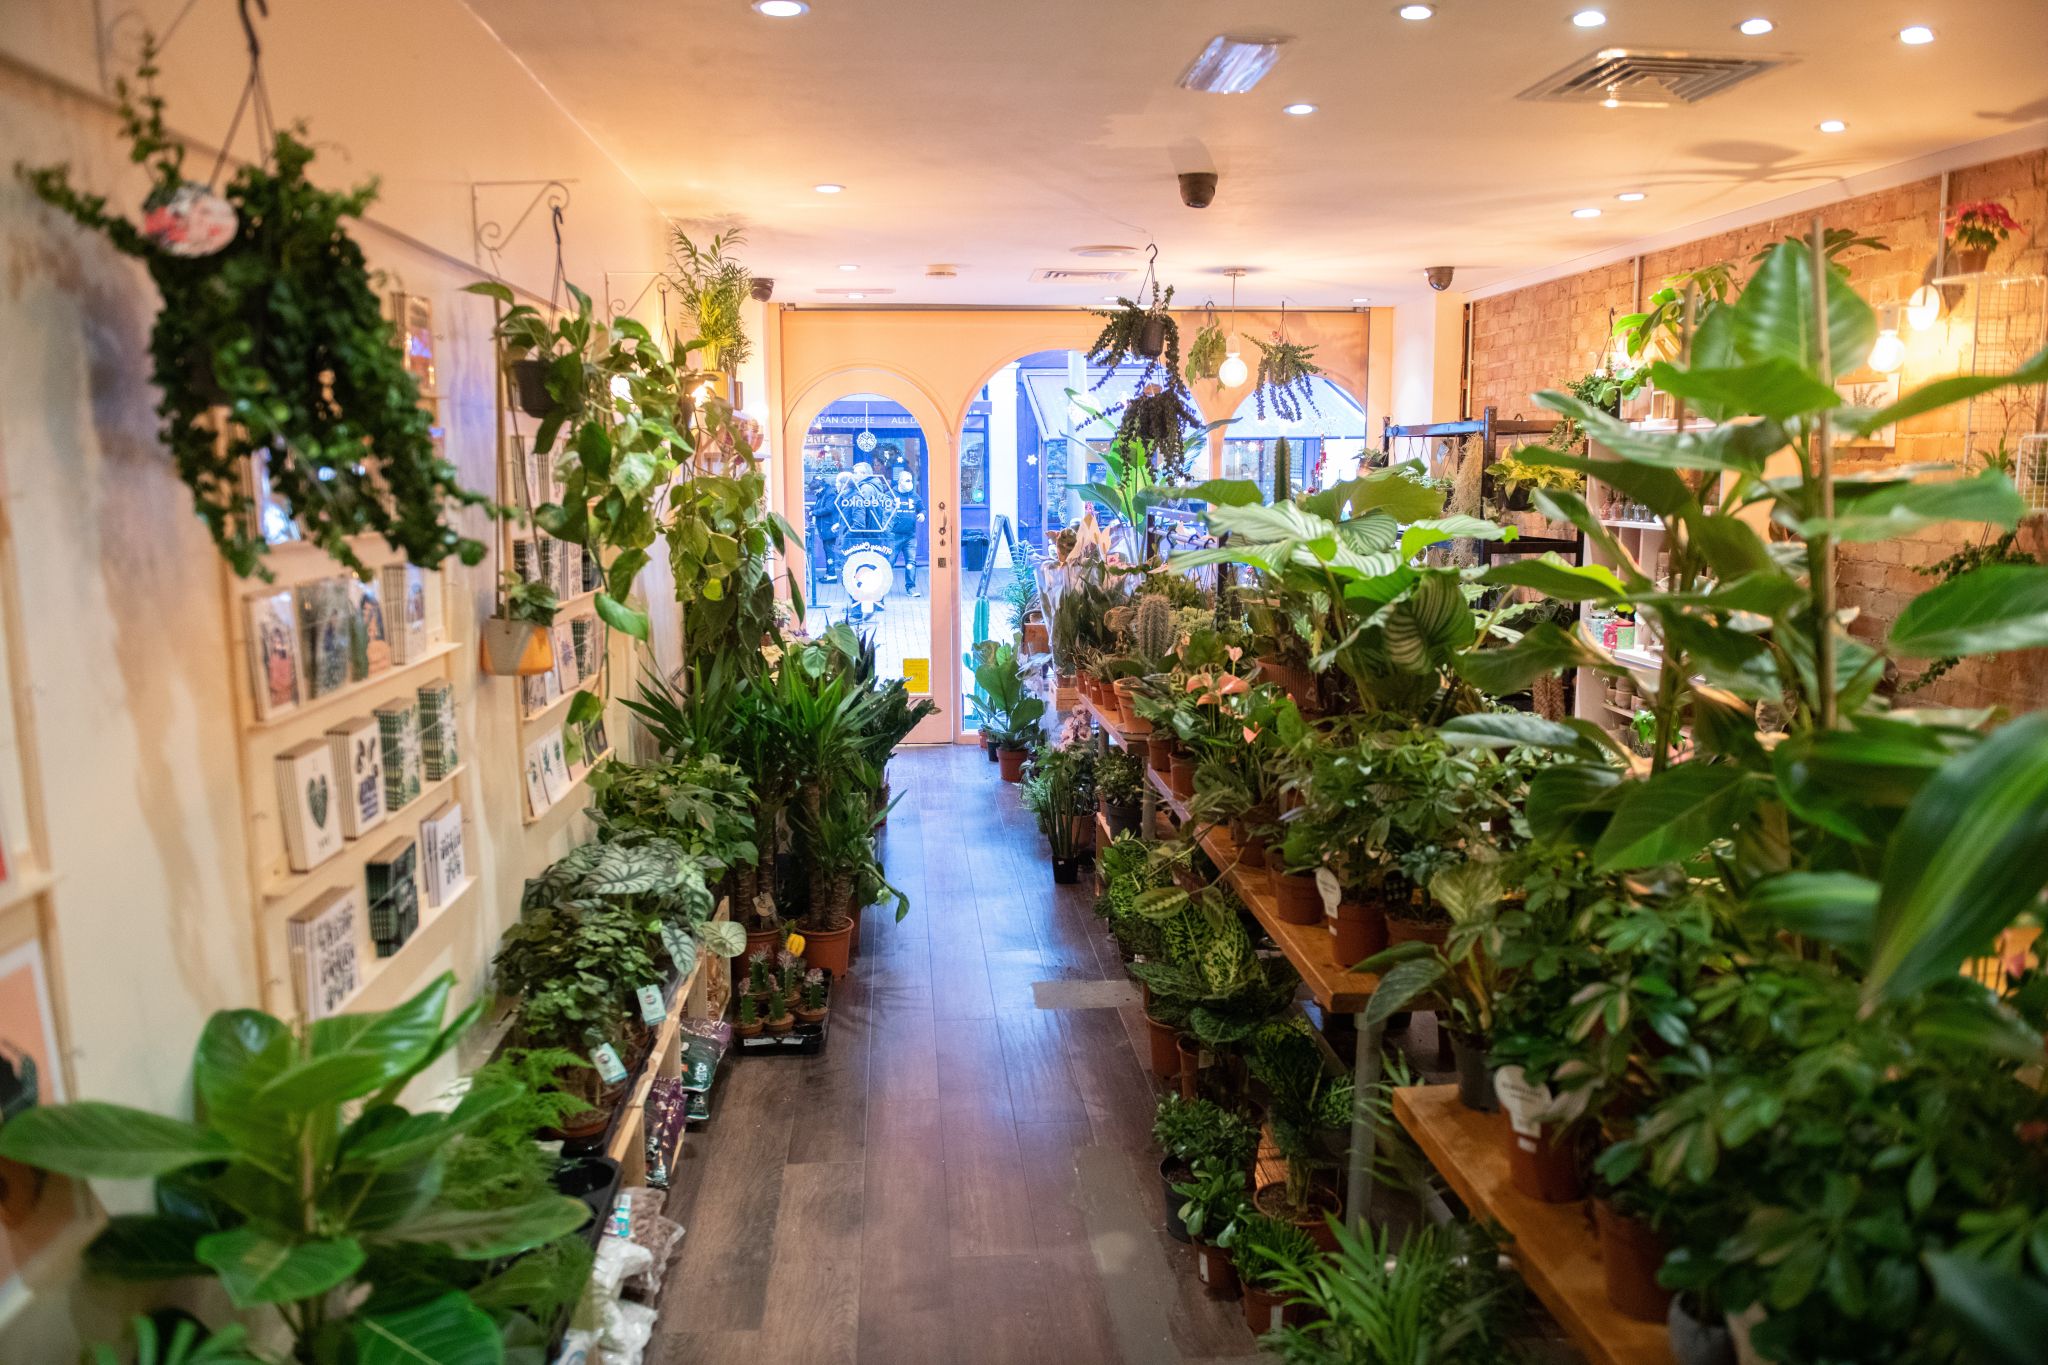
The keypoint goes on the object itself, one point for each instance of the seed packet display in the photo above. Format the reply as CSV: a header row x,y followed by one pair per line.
x,y
567,673
398,727
441,860
526,561
593,573
322,940
405,612
596,744
392,884
439,754
309,804
583,639
533,694
547,562
358,751
555,768
537,798
273,654
326,635
369,649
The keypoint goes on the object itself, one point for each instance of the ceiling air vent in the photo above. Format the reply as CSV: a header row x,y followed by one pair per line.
x,y
1062,275
1642,79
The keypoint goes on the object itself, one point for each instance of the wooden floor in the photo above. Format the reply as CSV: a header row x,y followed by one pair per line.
x,y
912,1195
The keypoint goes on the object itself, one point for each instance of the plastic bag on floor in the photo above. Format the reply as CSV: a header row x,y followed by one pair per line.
x,y
628,1327
617,1258
655,1231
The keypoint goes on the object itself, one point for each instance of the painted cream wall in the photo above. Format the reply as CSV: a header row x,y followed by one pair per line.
x,y
122,595
1428,359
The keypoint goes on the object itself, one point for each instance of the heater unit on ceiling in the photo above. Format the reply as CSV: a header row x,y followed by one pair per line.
x,y
1063,275
1619,77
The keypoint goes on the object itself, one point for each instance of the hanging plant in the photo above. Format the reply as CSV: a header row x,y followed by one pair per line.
x,y
1286,369
714,288
1160,418
1205,356
1133,331
283,328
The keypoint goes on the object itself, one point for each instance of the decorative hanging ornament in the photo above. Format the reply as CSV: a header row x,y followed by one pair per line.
x,y
189,221
866,439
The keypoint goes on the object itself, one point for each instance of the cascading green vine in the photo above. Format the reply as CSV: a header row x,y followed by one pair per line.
x,y
283,331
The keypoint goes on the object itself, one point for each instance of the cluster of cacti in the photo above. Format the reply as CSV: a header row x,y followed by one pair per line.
x,y
1152,629
778,1006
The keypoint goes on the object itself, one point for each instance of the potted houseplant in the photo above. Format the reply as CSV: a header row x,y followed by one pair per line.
x,y
1436,1295
1120,784
1976,230
1286,379
778,1020
1212,1199
1188,1131
1462,975
812,1006
1263,1250
1063,807
749,1024
1306,1107
515,640
714,288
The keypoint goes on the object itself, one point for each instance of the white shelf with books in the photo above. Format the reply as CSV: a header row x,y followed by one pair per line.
x,y
349,697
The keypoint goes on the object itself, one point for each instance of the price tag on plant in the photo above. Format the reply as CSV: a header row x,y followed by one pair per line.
x,y
653,1009
609,1068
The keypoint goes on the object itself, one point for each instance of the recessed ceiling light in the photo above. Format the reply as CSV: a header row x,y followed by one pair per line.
x,y
1109,298
828,189
1754,28
1361,300
1231,66
1833,125
856,295
849,268
1610,103
1631,196
1105,249
781,9
1916,35
1585,213
1415,12
1589,18
1298,110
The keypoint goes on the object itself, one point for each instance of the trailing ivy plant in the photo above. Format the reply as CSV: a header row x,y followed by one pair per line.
x,y
283,330
1206,353
300,1172
1286,378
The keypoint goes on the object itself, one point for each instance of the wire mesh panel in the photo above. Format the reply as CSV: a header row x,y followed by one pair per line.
x,y
2009,315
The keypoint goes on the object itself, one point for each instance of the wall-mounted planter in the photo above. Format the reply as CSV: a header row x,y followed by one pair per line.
x,y
514,649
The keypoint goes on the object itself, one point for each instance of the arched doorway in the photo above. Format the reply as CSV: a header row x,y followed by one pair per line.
x,y
1326,439
866,501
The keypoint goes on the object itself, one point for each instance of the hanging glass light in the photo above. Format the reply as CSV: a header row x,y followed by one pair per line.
x,y
1233,371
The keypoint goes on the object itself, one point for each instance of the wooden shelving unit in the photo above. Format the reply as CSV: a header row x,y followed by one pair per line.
x,y
1555,1247
627,1144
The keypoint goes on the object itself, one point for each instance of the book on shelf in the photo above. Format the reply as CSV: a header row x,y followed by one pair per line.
x,y
398,727
596,744
391,884
326,635
547,562
369,648
441,861
555,768
566,672
440,744
359,763
325,962
273,653
309,804
537,798
526,560
533,694
583,640
405,612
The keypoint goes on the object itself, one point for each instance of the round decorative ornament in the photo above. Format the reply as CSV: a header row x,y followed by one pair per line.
x,y
189,221
866,442
868,575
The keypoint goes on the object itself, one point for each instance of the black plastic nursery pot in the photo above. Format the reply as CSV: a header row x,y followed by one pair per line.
x,y
591,1179
1170,1171
1066,871
1122,817
530,386
1475,1076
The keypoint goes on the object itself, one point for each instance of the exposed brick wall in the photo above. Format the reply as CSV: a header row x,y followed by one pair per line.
x,y
1544,336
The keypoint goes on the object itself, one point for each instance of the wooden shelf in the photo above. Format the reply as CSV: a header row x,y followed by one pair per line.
x,y
1554,1244
24,886
355,692
536,719
1623,524
1110,727
354,853
1308,947
390,981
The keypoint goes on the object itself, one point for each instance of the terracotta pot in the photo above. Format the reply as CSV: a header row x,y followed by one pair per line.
x,y
1180,778
1265,1310
1013,764
1214,1270
752,1030
1545,1168
811,1016
1036,641
1130,722
1271,1199
778,1027
1630,1254
1359,930
1251,849
1159,752
1301,900
1416,931
1968,260
1083,827
1289,679
1172,1171
1165,1051
830,949
1475,1077
1190,1067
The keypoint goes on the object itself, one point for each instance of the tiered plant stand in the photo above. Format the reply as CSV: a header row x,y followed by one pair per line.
x,y
1554,1244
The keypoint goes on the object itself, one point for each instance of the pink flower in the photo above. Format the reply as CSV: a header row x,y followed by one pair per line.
x,y
1197,681
1251,734
1236,653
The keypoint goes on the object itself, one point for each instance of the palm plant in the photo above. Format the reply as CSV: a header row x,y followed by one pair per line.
x,y
1434,1299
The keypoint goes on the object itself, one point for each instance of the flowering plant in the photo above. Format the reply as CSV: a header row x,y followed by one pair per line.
x,y
1981,226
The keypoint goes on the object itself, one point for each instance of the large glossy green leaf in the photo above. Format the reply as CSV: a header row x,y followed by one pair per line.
x,y
1385,490
481,1234
621,617
722,938
2003,1313
108,1141
1657,487
256,1268
1506,729
1546,648
147,1246
1943,392
1775,317
1554,576
1430,620
1834,907
1777,388
1401,984
1887,511
1729,544
1970,853
1742,446
449,1330
239,1053
1571,799
630,869
1223,492
1987,610
399,1040
1672,815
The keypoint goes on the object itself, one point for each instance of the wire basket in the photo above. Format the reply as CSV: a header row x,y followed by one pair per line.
x,y
2030,471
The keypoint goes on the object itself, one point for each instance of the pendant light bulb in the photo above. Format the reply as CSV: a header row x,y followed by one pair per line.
x,y
1233,371
1889,353
1923,309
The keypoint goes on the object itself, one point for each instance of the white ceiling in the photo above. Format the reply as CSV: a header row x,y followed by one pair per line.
x,y
996,135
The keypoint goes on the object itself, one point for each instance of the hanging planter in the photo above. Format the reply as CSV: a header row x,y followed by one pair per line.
x,y
1206,352
529,375
1287,370
515,642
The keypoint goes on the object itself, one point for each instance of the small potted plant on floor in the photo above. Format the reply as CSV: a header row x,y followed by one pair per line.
x,y
1120,783
812,1008
1212,1199
1263,1249
749,1025
777,1018
1192,1130
760,977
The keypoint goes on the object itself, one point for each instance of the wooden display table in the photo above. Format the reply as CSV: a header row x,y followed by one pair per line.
x,y
1554,1244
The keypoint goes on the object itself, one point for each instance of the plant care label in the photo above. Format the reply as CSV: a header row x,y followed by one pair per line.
x,y
1332,891
622,1218
1529,1106
682,949
653,1009
609,1068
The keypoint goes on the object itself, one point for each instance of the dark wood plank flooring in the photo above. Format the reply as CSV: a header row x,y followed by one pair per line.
x,y
912,1195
